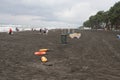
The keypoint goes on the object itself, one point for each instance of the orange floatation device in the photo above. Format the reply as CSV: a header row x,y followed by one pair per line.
x,y
43,50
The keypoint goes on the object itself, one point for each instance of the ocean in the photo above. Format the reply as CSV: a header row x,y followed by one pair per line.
x,y
5,28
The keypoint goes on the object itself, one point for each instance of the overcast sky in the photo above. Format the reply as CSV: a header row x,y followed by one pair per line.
x,y
51,13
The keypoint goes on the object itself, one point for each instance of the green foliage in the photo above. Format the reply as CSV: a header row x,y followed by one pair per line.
x,y
109,18
114,14
87,23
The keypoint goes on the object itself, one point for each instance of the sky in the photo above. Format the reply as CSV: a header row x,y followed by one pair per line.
x,y
51,13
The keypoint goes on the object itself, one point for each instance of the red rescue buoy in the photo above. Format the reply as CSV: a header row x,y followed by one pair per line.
x,y
39,53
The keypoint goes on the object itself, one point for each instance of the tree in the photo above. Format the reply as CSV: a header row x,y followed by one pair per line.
x,y
87,23
114,14
109,19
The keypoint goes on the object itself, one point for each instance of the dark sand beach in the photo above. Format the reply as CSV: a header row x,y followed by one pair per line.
x,y
95,56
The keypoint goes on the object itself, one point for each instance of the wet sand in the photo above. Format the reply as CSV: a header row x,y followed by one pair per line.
x,y
95,56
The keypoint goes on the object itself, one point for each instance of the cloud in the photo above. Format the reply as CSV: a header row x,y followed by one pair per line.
x,y
51,12
75,14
